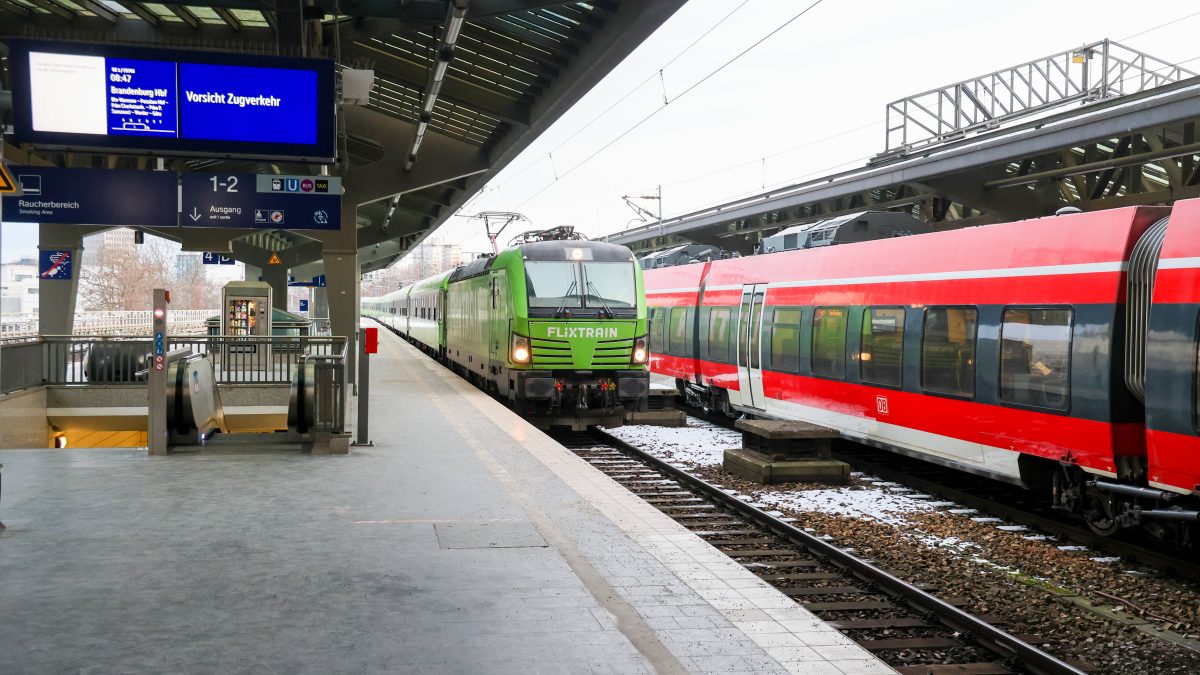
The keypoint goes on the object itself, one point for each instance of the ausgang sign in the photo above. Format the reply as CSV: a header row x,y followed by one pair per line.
x,y
261,201
154,199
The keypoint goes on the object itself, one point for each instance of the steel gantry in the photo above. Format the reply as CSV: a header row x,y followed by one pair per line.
x,y
1098,126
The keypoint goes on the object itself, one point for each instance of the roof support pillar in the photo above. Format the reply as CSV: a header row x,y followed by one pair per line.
x,y
57,297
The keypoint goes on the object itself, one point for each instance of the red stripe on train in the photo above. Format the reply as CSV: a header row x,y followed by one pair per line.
x,y
1056,289
1172,459
1089,443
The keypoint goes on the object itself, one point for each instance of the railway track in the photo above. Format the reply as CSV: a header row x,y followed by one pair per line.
x,y
908,627
995,499
1012,504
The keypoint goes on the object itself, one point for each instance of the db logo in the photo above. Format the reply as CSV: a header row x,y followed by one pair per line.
x,y
881,405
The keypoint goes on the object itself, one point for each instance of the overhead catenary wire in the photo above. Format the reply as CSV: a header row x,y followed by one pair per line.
x,y
762,160
1161,25
685,92
649,78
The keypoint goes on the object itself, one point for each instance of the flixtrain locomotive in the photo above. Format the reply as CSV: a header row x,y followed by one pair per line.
x,y
556,328
1058,353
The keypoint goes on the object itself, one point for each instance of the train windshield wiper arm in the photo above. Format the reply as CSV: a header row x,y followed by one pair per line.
x,y
566,298
592,288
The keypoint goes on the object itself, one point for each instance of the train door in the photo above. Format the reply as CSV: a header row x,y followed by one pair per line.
x,y
748,351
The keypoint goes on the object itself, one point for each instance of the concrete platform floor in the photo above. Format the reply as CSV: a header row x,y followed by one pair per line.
x,y
465,541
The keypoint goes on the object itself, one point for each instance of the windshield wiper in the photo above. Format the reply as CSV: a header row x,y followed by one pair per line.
x,y
566,297
592,288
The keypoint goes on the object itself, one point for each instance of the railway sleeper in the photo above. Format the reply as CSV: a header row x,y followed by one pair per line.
x,y
956,669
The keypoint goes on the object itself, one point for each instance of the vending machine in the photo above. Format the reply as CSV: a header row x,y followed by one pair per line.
x,y
246,312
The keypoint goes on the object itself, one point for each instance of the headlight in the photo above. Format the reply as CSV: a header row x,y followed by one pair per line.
x,y
639,350
520,349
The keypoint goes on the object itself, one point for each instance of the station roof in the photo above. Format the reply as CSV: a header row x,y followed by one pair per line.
x,y
517,66
989,149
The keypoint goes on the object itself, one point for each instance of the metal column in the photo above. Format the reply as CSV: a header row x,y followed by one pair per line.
x,y
156,425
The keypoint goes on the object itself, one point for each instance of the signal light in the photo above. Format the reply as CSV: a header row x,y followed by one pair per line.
x,y
520,349
159,312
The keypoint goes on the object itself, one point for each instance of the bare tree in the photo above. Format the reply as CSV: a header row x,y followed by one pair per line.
x,y
112,281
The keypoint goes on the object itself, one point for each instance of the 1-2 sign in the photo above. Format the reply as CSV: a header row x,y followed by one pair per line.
x,y
229,183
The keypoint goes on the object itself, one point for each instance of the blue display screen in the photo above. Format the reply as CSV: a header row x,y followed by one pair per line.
x,y
141,98
242,103
126,98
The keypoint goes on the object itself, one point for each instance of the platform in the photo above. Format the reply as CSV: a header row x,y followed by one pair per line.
x,y
463,541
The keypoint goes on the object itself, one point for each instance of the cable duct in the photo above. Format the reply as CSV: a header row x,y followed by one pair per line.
x,y
455,17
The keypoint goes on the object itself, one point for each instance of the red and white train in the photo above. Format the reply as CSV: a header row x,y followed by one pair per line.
x,y
1058,353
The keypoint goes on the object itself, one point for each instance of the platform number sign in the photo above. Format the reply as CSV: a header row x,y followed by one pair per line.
x,y
55,265
217,259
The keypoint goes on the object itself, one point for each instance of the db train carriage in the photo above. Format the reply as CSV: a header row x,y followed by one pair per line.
x,y
1058,353
556,328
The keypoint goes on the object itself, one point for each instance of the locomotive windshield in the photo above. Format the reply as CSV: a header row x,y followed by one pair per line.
x,y
605,287
553,284
609,284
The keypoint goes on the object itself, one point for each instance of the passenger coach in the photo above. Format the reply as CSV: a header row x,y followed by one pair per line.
x,y
1007,350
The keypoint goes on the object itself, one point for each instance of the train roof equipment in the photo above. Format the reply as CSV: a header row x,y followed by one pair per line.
x,y
844,229
682,255
560,233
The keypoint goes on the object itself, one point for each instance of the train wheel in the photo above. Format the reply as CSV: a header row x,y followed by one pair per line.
x,y
1102,524
1101,517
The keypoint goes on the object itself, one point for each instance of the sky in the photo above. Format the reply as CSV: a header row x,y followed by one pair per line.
x,y
806,102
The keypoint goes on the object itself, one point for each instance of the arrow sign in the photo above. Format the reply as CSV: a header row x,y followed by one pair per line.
x,y
253,201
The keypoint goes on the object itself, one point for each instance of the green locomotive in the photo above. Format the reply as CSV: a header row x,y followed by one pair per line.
x,y
556,328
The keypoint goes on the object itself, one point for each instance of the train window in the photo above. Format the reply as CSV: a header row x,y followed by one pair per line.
x,y
948,351
609,284
677,332
785,340
881,359
829,342
658,329
1035,357
719,343
553,284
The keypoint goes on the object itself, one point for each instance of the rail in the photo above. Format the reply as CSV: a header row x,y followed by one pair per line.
x,y
116,359
1000,642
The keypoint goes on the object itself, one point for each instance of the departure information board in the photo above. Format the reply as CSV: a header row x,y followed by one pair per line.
x,y
172,103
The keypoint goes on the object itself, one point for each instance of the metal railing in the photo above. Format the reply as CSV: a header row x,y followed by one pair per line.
x,y
183,322
1095,71
318,396
116,360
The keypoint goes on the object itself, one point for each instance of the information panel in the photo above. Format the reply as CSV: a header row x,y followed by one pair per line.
x,y
94,196
261,201
171,102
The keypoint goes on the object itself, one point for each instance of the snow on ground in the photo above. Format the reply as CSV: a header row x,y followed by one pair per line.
x,y
697,444
884,506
